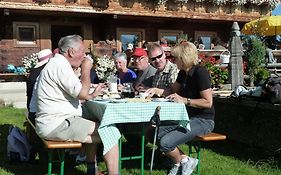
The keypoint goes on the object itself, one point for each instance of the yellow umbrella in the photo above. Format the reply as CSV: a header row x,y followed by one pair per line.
x,y
265,26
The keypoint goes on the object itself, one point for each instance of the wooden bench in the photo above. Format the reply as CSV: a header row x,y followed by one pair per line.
x,y
196,143
60,146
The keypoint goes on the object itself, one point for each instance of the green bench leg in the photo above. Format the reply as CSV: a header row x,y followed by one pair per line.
x,y
197,148
61,155
141,157
120,155
50,161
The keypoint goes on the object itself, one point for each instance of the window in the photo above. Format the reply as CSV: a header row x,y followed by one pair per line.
x,y
25,34
171,36
205,37
129,35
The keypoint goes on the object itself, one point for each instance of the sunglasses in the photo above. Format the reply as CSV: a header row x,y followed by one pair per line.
x,y
154,58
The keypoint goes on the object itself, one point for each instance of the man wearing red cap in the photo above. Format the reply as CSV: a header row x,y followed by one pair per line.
x,y
145,71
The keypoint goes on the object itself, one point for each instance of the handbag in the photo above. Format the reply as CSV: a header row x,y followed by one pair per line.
x,y
272,90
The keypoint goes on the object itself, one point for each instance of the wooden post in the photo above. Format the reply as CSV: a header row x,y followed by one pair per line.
x,y
236,61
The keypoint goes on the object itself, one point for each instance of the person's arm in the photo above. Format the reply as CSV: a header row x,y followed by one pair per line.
x,y
86,82
205,101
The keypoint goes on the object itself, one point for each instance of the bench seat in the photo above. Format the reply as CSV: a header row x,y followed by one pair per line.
x,y
195,145
60,146
210,137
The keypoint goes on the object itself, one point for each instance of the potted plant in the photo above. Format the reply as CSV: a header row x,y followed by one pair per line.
x,y
218,74
255,58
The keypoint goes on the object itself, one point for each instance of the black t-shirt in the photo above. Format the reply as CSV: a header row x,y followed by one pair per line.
x,y
197,79
30,82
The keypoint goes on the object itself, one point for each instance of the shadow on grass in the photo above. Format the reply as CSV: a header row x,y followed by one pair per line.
x,y
244,152
38,166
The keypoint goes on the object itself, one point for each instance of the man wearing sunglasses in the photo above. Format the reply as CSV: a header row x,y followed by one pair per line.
x,y
145,71
166,73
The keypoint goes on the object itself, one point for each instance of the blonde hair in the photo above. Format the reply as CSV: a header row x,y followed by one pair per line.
x,y
187,53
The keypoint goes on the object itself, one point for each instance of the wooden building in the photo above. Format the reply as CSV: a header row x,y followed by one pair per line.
x,y
28,26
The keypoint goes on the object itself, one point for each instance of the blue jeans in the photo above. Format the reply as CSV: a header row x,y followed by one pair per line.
x,y
172,135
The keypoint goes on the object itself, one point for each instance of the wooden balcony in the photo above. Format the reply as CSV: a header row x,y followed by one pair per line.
x,y
173,9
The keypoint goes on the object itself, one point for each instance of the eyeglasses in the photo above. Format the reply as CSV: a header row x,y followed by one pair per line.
x,y
154,58
138,60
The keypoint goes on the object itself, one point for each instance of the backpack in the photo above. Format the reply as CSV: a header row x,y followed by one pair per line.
x,y
272,90
18,147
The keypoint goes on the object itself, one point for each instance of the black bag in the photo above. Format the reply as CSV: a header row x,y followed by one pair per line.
x,y
272,90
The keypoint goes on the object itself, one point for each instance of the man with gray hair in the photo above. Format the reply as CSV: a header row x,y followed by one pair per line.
x,y
59,112
125,74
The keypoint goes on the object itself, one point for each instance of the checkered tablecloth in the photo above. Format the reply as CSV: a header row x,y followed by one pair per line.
x,y
110,114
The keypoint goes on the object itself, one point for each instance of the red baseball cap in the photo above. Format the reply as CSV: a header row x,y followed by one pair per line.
x,y
138,52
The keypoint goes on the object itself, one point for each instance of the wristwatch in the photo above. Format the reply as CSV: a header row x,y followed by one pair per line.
x,y
188,101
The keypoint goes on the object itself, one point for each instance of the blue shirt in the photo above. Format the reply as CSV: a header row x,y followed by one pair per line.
x,y
129,77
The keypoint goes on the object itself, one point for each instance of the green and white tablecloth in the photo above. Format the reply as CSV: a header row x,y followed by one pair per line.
x,y
110,114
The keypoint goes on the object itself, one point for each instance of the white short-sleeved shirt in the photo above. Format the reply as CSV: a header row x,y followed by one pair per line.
x,y
57,90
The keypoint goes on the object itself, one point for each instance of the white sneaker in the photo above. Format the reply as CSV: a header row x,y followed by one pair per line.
x,y
175,170
80,159
189,166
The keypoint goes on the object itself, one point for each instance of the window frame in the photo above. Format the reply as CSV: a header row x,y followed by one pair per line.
x,y
162,33
211,34
16,34
130,31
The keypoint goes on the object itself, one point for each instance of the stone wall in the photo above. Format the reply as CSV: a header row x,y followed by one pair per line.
x,y
13,93
250,122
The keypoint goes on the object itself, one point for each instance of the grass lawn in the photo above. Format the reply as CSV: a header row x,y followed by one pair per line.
x,y
217,158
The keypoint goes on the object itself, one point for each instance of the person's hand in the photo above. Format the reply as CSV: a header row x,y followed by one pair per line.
x,y
176,98
98,90
140,88
87,63
77,71
153,91
120,87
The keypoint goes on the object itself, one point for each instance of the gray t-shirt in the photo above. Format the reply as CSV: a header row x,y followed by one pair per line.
x,y
143,77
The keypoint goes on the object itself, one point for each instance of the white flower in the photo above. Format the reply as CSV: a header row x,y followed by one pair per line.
x,y
30,61
105,66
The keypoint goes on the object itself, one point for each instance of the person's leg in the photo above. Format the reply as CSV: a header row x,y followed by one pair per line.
x,y
81,157
91,150
170,141
111,160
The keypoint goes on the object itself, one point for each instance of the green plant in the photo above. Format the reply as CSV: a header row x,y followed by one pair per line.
x,y
271,3
261,74
255,57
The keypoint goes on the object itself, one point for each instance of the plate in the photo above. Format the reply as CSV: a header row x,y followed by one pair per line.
x,y
101,99
161,100
118,100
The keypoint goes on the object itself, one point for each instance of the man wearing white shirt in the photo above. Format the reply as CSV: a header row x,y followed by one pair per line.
x,y
59,91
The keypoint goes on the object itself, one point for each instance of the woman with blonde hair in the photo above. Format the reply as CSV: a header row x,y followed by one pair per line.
x,y
193,88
